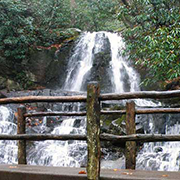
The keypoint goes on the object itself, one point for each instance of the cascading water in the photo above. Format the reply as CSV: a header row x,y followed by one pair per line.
x,y
97,56
61,153
162,156
83,52
8,149
122,76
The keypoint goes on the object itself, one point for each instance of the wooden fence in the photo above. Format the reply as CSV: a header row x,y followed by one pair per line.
x,y
93,114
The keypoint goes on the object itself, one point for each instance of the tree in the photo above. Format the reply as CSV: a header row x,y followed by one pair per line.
x,y
96,15
152,35
25,25
16,35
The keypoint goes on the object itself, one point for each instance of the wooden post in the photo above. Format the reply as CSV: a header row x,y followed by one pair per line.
x,y
93,131
130,151
21,129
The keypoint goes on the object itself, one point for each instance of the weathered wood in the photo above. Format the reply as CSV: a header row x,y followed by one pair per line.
x,y
157,110
36,114
140,137
31,99
103,97
21,129
93,131
143,111
140,94
103,137
43,137
113,112
130,151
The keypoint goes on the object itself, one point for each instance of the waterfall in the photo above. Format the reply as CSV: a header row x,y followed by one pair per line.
x,y
61,153
81,61
161,156
8,149
97,56
80,68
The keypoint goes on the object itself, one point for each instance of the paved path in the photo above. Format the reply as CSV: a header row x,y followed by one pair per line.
x,y
26,172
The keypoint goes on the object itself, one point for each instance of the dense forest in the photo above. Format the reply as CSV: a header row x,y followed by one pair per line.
x,y
151,30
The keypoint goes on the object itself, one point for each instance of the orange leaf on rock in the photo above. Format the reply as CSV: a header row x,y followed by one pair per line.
x,y
16,114
82,172
164,175
127,173
12,167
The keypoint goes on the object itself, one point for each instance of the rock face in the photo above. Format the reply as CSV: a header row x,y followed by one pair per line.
x,y
48,66
2,82
44,66
101,65
173,85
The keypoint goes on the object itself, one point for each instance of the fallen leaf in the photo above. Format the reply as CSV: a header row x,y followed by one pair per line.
x,y
127,173
115,170
16,114
12,167
164,175
82,172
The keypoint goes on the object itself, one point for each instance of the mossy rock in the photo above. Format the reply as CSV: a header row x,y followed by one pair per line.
x,y
2,82
69,33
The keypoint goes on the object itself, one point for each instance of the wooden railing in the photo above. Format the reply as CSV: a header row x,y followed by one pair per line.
x,y
93,114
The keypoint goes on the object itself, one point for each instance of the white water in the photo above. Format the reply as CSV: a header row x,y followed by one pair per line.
x,y
60,153
120,65
73,153
161,156
8,149
81,61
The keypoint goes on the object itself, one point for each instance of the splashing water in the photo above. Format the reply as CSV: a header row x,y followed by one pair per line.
x,y
161,156
61,153
8,149
81,62
83,51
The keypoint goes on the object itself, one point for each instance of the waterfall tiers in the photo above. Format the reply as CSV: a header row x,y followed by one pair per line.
x,y
98,56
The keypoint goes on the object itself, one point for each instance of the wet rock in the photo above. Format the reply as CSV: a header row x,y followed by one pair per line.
x,y
101,65
2,95
173,85
13,86
158,149
3,82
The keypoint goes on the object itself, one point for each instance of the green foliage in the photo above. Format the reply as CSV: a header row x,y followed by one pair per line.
x,y
153,36
16,30
95,15
24,24
28,24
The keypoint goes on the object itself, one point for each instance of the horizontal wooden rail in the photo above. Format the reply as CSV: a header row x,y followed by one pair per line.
x,y
140,94
102,97
55,114
157,110
103,137
113,112
141,137
83,113
144,111
31,99
42,137
117,112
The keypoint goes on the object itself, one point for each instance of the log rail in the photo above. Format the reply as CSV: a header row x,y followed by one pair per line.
x,y
93,113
